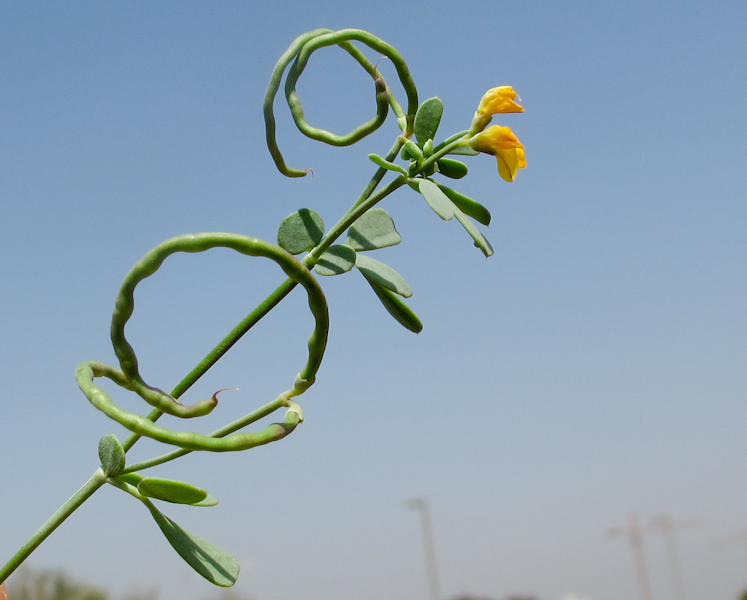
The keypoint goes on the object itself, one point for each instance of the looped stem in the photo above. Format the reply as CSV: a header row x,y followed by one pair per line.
x,y
129,376
299,52
88,371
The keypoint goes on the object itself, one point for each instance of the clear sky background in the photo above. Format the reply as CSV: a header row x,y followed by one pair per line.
x,y
593,369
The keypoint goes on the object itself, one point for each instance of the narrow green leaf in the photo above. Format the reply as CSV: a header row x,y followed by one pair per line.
x,y
385,164
383,274
169,490
396,307
427,119
111,455
454,169
300,231
213,563
480,241
436,199
467,205
335,261
374,229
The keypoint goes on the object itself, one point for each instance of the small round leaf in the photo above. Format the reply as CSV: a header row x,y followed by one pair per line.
x,y
335,261
300,231
111,455
374,229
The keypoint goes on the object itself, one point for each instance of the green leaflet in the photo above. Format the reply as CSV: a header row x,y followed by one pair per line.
x,y
435,198
480,241
335,261
300,231
427,120
213,563
374,229
396,307
385,164
111,455
169,490
383,274
467,205
453,169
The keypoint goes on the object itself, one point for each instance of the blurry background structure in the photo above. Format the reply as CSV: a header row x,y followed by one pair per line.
x,y
592,369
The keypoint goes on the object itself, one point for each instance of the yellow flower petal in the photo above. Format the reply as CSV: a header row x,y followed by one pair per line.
x,y
499,100
508,164
505,146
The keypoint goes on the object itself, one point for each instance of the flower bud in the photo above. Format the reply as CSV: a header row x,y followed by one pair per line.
x,y
494,101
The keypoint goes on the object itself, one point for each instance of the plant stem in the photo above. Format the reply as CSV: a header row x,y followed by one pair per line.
x,y
361,205
94,483
253,416
366,200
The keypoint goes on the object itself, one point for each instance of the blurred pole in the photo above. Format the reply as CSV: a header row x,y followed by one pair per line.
x,y
633,532
667,527
421,505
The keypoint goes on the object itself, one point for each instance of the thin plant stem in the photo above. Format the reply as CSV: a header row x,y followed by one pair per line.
x,y
366,200
253,416
94,483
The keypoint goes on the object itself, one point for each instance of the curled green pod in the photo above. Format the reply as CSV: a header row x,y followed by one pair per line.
x,y
298,54
149,264
87,372
322,135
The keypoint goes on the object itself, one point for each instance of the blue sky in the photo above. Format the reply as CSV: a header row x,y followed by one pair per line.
x,y
593,368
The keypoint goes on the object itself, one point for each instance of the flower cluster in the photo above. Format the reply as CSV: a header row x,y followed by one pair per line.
x,y
497,140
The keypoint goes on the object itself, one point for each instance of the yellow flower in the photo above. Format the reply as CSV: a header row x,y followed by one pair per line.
x,y
494,101
499,100
503,144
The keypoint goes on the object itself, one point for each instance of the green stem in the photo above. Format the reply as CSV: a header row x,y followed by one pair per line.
x,y
253,416
442,150
224,346
366,200
94,483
